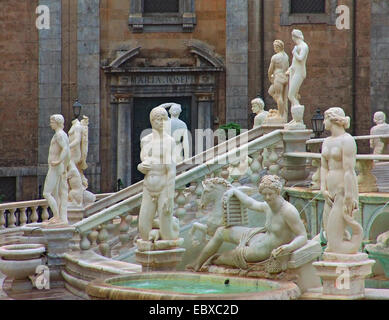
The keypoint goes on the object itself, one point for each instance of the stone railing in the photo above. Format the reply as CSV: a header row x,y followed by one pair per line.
x,y
95,230
21,213
13,214
200,158
367,182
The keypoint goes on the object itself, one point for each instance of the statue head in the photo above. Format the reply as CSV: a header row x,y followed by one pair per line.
x,y
175,110
297,34
278,45
257,105
158,116
337,116
271,182
57,120
379,117
85,120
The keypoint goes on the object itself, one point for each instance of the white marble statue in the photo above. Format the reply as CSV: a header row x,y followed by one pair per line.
x,y
257,106
283,233
179,131
297,73
381,128
55,189
159,167
279,65
339,185
78,140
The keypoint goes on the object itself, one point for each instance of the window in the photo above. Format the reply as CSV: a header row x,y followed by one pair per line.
x,y
162,15
161,6
307,6
308,11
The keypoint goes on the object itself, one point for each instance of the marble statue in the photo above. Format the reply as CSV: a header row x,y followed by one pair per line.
x,y
278,90
159,167
381,128
78,140
297,73
213,191
55,189
257,106
283,233
339,185
179,131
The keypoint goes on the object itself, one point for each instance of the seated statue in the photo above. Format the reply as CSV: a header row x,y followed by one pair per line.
x,y
378,145
283,233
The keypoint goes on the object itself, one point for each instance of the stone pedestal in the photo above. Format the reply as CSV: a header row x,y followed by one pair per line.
x,y
294,169
343,275
58,238
163,255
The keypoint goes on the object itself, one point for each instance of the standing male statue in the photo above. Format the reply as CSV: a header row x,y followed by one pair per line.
x,y
297,74
55,190
279,80
159,167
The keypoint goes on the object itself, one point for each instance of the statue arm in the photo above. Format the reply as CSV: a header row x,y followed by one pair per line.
x,y
65,151
271,70
248,201
303,53
323,179
186,145
292,218
171,172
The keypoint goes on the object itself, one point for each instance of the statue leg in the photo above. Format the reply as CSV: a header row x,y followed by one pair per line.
x,y
146,215
294,87
167,230
50,189
335,226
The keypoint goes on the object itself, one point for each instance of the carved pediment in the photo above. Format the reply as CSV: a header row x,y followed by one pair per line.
x,y
200,56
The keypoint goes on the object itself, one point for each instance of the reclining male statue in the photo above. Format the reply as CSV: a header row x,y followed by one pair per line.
x,y
283,235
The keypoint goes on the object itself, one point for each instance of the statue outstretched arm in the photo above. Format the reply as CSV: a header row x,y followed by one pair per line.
x,y
246,200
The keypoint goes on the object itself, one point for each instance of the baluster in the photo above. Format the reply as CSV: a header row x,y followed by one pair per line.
x,y
92,236
11,218
22,216
124,237
45,213
180,201
256,167
2,219
103,244
85,243
34,215
273,162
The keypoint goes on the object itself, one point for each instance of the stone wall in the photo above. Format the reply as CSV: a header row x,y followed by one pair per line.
x,y
19,93
379,60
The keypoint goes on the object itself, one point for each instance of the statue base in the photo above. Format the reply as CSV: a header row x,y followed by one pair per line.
x,y
343,275
159,260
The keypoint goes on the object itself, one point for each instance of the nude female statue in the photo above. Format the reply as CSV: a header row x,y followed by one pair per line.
x,y
158,165
279,80
297,71
283,233
339,185
55,189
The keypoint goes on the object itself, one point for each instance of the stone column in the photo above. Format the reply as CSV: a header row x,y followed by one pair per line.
x,y
204,110
124,141
88,80
237,62
294,169
50,81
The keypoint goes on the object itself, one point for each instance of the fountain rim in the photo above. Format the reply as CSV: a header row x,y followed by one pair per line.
x,y
103,289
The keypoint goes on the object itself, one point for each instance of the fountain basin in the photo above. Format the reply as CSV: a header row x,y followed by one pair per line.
x,y
189,286
20,261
